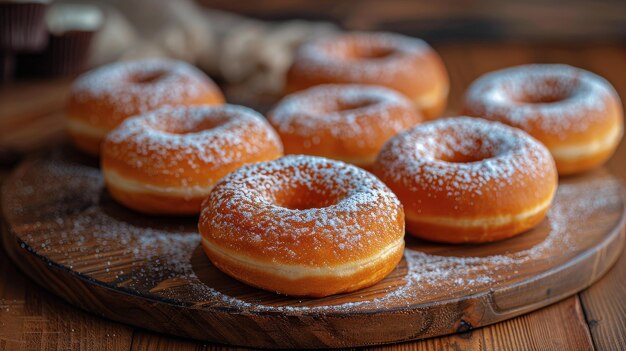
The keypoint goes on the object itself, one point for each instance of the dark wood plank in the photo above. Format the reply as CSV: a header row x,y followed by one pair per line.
x,y
559,327
604,303
33,319
148,341
605,308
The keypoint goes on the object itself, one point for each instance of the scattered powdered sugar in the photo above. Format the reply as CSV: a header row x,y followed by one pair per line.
x,y
78,226
425,156
336,219
328,55
560,99
462,276
344,111
134,87
174,141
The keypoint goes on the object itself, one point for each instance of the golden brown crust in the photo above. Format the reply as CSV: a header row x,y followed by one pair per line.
x,y
405,64
101,99
468,180
155,203
303,225
455,234
576,114
168,160
346,122
310,286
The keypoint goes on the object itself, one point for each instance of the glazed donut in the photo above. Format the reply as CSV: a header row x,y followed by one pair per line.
x,y
402,63
101,99
349,123
575,113
468,180
303,226
168,160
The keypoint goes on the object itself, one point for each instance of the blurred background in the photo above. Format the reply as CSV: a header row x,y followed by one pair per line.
x,y
246,46
453,20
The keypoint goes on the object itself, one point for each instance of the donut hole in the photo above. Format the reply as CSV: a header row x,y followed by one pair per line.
x,y
306,201
303,197
352,51
328,104
543,91
371,53
467,150
462,157
193,128
148,77
344,106
303,189
183,126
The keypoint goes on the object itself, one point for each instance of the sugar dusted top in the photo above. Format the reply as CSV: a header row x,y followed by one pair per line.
x,y
362,46
465,158
344,110
184,142
557,99
128,88
403,63
302,210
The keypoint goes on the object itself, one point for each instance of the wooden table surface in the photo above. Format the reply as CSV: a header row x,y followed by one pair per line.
x,y
32,319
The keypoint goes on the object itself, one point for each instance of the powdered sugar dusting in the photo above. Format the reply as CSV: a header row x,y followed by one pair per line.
x,y
371,111
420,157
338,222
328,55
560,99
461,276
176,141
85,228
134,87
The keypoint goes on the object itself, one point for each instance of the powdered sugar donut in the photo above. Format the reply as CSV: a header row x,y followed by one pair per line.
x,y
303,226
468,179
405,64
575,113
101,99
167,161
349,123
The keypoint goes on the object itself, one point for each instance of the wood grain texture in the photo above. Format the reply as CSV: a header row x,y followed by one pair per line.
x,y
605,309
527,332
148,341
605,303
67,233
33,319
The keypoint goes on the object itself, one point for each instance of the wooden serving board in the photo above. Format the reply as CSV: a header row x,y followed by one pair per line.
x,y
66,232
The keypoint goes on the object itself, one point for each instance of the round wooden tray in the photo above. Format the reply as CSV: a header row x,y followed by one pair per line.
x,y
66,232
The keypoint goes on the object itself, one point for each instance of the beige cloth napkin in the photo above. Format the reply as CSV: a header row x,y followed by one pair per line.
x,y
248,54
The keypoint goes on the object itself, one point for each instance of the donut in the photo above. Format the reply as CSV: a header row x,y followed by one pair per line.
x,y
101,99
468,180
168,160
575,113
303,226
402,63
349,123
